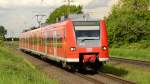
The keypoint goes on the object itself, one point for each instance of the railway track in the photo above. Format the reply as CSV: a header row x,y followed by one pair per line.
x,y
115,78
95,81
102,78
130,61
99,78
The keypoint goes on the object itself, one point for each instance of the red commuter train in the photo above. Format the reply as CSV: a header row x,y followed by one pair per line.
x,y
74,44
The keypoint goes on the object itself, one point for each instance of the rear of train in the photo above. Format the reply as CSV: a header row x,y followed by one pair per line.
x,y
87,44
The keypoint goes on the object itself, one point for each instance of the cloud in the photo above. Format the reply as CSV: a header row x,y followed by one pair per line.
x,y
17,15
99,8
51,3
97,3
17,20
6,3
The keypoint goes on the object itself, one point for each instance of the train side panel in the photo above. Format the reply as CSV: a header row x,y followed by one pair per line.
x,y
104,55
72,56
59,42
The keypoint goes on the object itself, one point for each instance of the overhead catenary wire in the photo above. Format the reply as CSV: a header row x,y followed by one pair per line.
x,y
39,18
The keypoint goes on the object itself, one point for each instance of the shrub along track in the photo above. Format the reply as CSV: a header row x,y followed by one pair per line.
x,y
131,61
65,77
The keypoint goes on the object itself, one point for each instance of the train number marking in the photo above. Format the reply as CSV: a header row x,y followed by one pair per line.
x,y
89,49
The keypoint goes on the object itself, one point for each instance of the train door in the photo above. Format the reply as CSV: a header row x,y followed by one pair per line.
x,y
55,43
38,41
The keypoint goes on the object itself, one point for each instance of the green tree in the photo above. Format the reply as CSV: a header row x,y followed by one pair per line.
x,y
63,11
3,32
129,22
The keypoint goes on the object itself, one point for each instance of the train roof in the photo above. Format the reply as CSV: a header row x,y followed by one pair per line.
x,y
46,26
85,23
75,23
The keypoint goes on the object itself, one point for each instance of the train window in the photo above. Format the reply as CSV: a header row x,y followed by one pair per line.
x,y
34,40
30,38
60,37
37,39
49,39
40,39
87,36
59,42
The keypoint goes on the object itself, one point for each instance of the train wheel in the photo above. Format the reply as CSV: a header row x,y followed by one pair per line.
x,y
42,57
80,66
97,65
72,68
60,64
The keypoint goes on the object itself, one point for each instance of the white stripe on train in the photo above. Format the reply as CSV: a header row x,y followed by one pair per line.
x,y
57,58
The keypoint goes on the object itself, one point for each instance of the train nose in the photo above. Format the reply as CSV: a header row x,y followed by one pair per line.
x,y
89,58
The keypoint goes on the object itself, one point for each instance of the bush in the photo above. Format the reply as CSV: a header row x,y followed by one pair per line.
x,y
129,22
63,11
1,43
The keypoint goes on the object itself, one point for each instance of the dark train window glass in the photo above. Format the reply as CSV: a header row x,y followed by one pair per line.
x,y
87,36
59,42
86,23
37,40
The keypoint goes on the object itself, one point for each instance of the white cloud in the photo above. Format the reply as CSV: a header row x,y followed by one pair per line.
x,y
14,3
17,15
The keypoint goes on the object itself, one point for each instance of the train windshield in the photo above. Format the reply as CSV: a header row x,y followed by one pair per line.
x,y
87,35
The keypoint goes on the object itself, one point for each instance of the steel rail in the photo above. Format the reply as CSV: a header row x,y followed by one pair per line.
x,y
95,81
131,61
122,81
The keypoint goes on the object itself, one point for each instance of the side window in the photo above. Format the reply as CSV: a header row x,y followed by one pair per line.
x,y
43,40
60,37
37,39
30,38
34,39
49,38
27,39
40,40
24,39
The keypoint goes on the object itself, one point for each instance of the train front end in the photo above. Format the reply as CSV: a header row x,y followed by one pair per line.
x,y
89,44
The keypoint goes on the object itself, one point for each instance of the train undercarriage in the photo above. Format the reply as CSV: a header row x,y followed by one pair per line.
x,y
87,62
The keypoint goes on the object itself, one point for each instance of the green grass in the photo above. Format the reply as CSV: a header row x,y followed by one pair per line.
x,y
14,44
128,72
15,69
131,53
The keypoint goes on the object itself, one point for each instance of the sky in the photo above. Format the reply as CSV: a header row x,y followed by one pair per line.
x,y
17,15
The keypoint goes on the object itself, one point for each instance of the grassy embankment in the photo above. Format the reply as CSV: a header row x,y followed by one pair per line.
x,y
137,54
15,69
128,72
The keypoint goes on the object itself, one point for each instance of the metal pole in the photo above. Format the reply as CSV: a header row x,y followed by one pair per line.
x,y
38,16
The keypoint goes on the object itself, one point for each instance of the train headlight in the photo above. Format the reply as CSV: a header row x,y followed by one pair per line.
x,y
72,48
104,48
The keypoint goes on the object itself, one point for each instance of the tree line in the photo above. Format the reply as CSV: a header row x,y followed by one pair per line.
x,y
63,11
129,23
3,32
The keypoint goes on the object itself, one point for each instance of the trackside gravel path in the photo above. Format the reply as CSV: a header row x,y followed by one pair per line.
x,y
57,73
